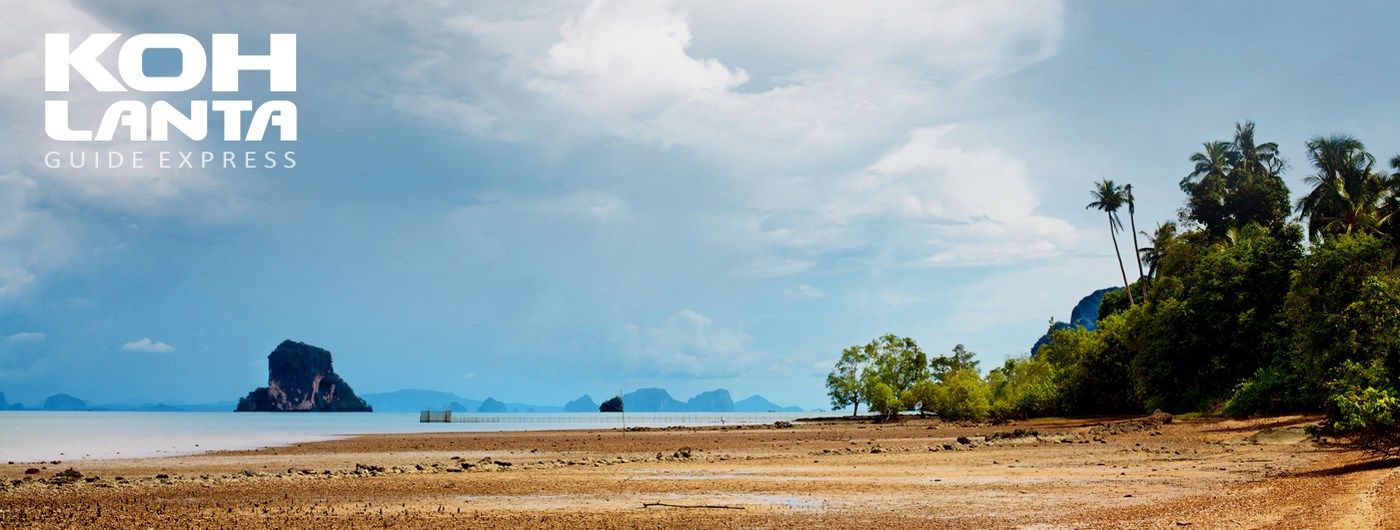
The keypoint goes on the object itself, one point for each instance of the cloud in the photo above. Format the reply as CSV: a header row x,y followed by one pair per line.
x,y
13,281
39,231
621,56
806,292
148,346
737,81
29,337
687,344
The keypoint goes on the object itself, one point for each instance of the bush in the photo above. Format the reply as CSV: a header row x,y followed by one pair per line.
x,y
1272,389
962,396
921,396
883,400
1023,387
1363,407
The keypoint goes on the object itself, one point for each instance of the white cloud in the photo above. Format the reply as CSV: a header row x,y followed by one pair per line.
x,y
739,81
806,292
33,239
627,55
13,281
688,344
147,345
28,337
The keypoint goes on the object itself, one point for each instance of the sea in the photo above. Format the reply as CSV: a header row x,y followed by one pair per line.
x,y
44,436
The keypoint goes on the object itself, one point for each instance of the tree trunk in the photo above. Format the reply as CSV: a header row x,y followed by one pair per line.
x,y
1121,269
855,408
1137,256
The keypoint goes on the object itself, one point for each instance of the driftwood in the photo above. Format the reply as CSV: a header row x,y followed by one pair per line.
x,y
711,506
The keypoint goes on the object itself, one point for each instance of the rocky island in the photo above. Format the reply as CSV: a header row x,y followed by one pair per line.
x,y
300,379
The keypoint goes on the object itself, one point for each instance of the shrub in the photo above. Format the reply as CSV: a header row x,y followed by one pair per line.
x,y
1023,387
883,400
962,396
1363,407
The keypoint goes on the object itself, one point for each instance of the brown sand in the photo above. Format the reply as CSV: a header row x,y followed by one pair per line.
x,y
1073,473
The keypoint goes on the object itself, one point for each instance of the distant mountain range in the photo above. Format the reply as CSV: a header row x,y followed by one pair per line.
x,y
415,400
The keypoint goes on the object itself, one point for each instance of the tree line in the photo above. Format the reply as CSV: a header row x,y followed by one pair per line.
x,y
1246,303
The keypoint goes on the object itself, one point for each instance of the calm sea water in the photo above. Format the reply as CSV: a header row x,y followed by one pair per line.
x,y
35,436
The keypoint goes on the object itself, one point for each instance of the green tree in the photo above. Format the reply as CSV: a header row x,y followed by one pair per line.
x,y
897,362
883,400
844,383
1257,193
921,396
1347,195
1159,240
1207,186
1024,387
962,395
959,359
1108,198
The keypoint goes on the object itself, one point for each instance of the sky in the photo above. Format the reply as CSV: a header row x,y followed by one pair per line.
x,y
538,200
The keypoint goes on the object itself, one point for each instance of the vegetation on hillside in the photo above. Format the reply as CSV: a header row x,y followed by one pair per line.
x,y
1248,305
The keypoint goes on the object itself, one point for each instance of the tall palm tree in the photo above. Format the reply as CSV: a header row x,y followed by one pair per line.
x,y
1208,186
1347,195
1132,224
1256,191
1108,198
1258,159
1215,161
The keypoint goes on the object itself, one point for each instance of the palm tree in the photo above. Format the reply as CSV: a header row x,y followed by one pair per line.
x,y
1214,161
1257,159
1108,198
1208,186
1152,255
1256,191
1132,225
1347,195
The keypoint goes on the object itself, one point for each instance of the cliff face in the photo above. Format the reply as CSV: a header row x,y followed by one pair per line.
x,y
712,401
300,379
1085,315
652,400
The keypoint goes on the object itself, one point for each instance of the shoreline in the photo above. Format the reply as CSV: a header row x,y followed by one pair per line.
x,y
86,436
1091,472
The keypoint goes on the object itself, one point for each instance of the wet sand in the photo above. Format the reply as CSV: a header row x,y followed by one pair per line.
x,y
1081,473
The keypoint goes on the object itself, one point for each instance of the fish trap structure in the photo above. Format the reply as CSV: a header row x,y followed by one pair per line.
x,y
639,419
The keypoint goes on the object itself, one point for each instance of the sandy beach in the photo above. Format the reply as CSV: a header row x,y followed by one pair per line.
x,y
1082,473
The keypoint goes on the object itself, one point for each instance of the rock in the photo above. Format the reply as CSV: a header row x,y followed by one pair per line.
x,y
64,402
611,405
652,400
713,401
1084,315
301,379
584,403
67,476
757,403
964,440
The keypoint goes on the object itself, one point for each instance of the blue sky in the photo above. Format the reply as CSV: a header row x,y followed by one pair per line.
x,y
538,200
